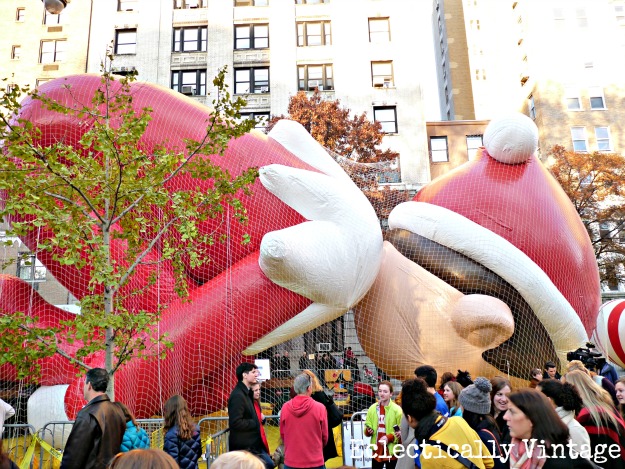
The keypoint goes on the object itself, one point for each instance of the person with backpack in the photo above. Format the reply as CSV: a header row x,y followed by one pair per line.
x,y
475,401
438,435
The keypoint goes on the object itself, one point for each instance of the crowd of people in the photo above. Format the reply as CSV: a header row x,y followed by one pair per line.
x,y
576,420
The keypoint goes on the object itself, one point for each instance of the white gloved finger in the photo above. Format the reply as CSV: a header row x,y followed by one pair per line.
x,y
317,260
319,197
295,138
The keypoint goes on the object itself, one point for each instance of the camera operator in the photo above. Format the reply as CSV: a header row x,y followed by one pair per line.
x,y
592,363
606,370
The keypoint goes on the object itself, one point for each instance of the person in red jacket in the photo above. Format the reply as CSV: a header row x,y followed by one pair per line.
x,y
303,428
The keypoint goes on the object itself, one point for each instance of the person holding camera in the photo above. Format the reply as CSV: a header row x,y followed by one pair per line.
x,y
382,425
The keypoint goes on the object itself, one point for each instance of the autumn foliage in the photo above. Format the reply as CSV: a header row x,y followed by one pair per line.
x,y
332,125
595,183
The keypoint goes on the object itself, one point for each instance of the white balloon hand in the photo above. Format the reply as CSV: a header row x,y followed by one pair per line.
x,y
333,258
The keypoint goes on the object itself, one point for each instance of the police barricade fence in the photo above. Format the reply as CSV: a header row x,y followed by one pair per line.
x,y
356,450
218,431
16,440
20,441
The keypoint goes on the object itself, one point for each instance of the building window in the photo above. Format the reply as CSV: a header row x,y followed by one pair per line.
x,y
262,119
387,117
49,18
314,34
20,14
580,142
41,81
573,101
603,138
379,30
619,11
251,36
52,51
189,82
596,98
474,142
11,87
315,76
251,80
251,3
126,41
190,39
382,74
30,269
178,4
438,149
559,20
582,18
16,52
531,107
127,5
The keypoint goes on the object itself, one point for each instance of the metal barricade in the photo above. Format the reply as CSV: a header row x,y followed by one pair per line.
x,y
55,433
154,429
218,432
16,439
355,444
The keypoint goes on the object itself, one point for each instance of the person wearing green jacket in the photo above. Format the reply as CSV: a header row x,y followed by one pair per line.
x,y
382,425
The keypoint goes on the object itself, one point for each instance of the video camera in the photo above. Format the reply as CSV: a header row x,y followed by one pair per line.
x,y
589,357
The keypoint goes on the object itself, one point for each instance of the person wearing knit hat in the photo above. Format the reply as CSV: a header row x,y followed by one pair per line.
x,y
475,401
476,397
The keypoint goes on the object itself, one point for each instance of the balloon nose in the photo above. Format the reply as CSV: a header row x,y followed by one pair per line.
x,y
482,320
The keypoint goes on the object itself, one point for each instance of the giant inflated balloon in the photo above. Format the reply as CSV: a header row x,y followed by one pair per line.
x,y
498,227
488,269
233,305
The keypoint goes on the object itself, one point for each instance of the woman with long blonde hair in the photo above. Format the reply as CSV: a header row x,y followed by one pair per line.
x,y
182,434
599,417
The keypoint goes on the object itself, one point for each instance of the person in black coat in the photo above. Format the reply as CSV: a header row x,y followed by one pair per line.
x,y
96,436
242,419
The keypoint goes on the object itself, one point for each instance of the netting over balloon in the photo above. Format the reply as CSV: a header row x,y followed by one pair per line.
x,y
488,269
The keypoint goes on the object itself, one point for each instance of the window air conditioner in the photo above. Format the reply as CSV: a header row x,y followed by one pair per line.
x,y
378,82
324,347
187,90
387,83
314,84
264,89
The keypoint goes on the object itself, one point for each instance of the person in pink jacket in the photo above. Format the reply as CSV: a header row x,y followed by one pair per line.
x,y
303,428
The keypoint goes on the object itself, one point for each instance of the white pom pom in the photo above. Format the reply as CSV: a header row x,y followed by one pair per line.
x,y
511,139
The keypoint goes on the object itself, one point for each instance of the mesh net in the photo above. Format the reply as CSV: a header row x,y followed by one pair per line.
x,y
496,280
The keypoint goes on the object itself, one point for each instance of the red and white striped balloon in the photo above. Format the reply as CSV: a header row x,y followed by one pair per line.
x,y
608,336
